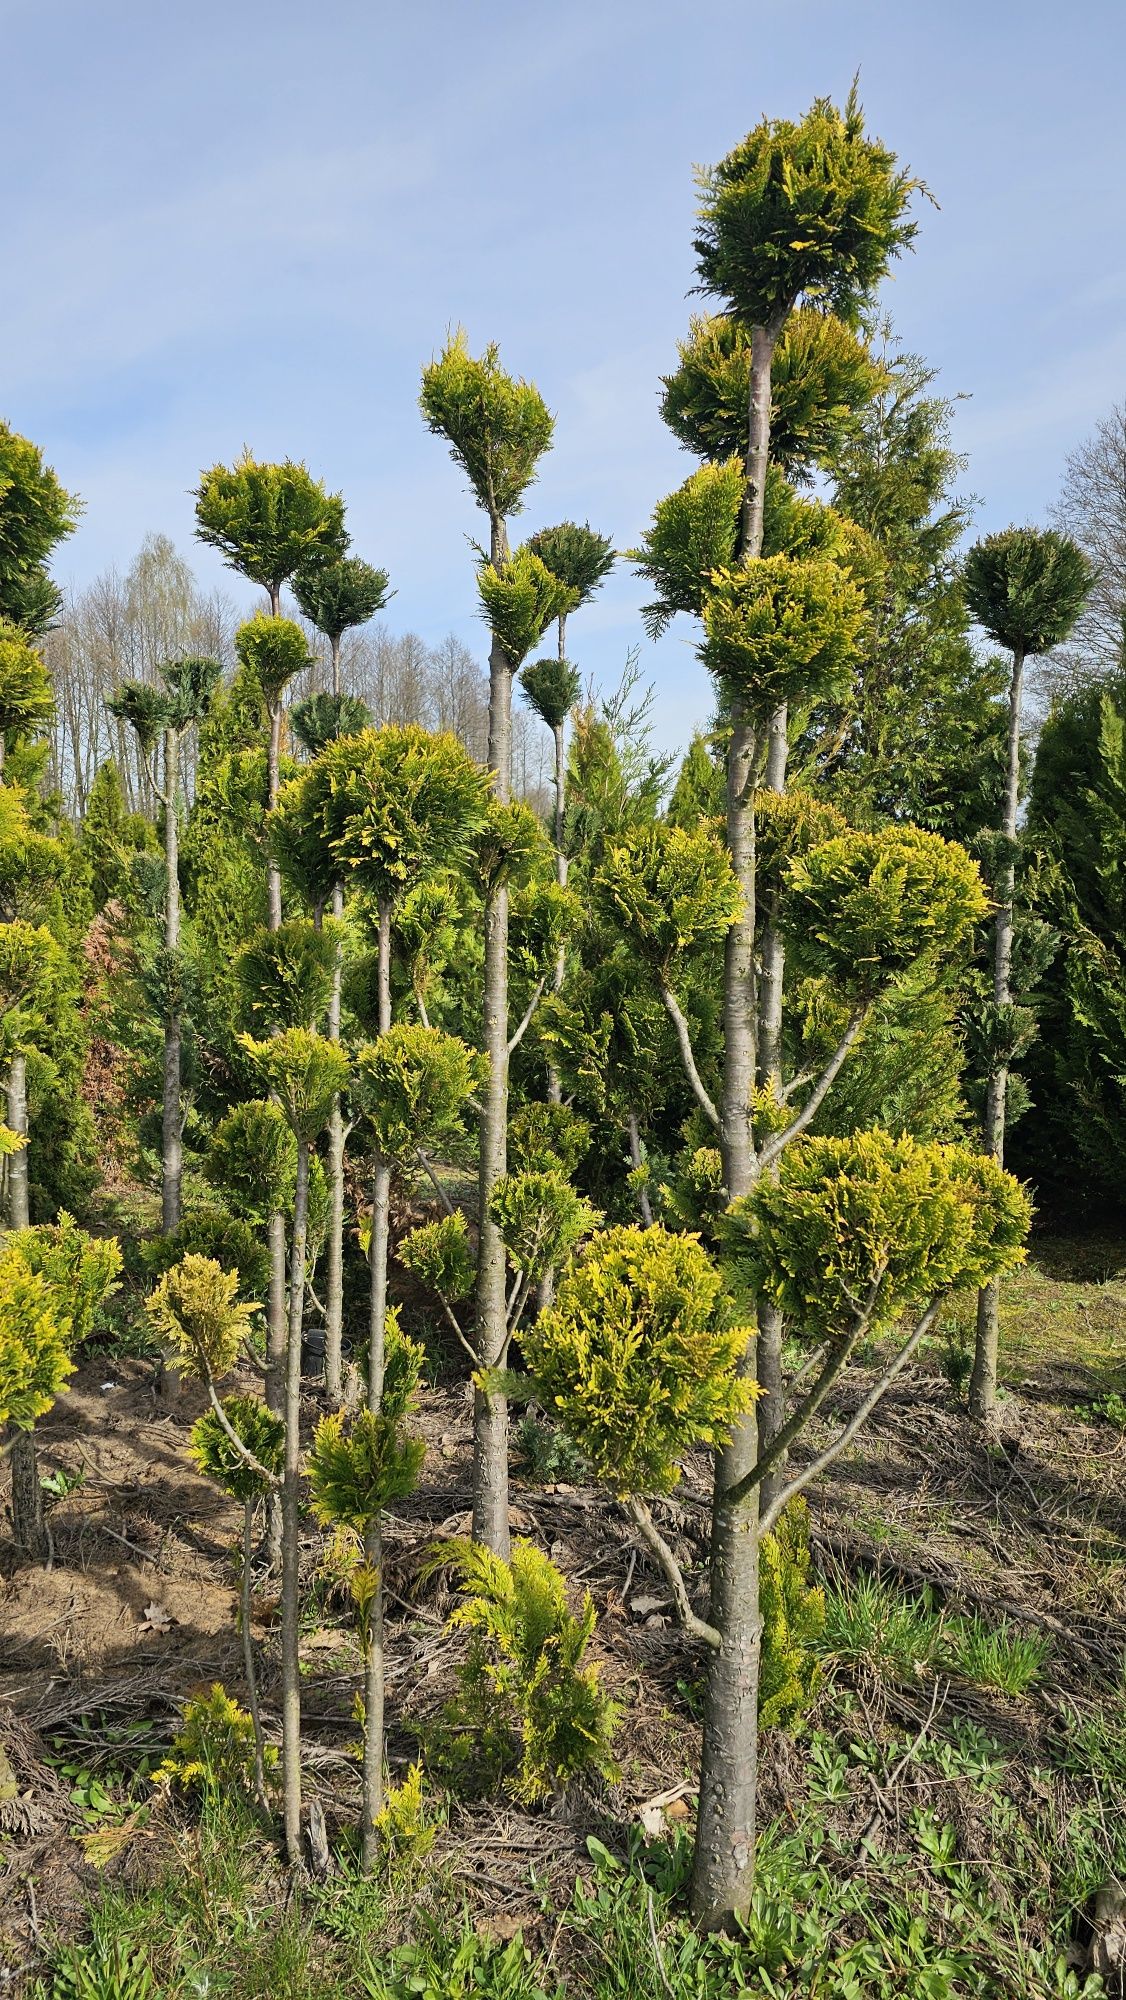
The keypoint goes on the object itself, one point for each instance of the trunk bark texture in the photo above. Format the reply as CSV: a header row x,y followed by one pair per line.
x,y
19,1209
373,1539
983,1380
171,1117
723,1866
290,1516
29,1520
334,1273
490,1411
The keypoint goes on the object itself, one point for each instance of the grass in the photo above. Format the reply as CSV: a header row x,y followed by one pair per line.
x,y
867,1620
1060,1311
914,1924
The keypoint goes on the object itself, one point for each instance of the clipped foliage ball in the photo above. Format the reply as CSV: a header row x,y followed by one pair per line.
x,y
273,651
195,1309
1026,587
580,557
671,890
783,629
510,845
787,825
268,520
359,1464
694,533
413,1084
252,1159
551,687
519,598
305,1071
497,425
637,1357
441,1257
261,1432
873,1227
341,593
83,1269
284,977
541,1218
864,907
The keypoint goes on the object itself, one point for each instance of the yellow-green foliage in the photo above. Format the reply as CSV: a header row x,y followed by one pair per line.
x,y
26,700
793,1617
253,1160
386,808
864,906
195,1309
519,598
306,1071
407,1830
541,1218
35,1341
497,426
11,1142
413,1084
273,650
875,1219
528,1651
510,844
787,825
671,890
694,532
213,1750
261,1432
638,1358
285,976
783,629
358,1465
52,1280
441,1256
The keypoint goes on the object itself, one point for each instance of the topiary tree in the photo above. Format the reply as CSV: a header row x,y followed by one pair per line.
x,y
35,991
36,513
26,697
304,1072
357,1466
273,651
53,1278
269,521
338,596
241,1446
1025,588
165,714
385,811
498,429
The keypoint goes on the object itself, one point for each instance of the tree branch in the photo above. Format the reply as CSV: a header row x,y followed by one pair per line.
x,y
776,1145
435,1183
855,1422
233,1437
422,1013
515,1039
811,1402
456,1324
670,1569
683,1035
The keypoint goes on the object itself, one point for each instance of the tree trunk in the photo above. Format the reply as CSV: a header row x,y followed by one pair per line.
x,y
334,1272
172,1117
19,1209
29,1520
373,1539
490,1411
983,1381
290,1607
723,1864
273,768
637,1163
248,1651
276,1330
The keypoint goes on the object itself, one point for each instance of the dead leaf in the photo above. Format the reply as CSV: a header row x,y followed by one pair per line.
x,y
157,1618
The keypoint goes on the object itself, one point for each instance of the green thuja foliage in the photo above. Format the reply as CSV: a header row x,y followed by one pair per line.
x,y
263,1436
546,1720
441,1256
638,1357
213,1750
196,1310
793,1617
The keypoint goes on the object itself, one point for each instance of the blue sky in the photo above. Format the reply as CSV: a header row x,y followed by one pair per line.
x,y
253,222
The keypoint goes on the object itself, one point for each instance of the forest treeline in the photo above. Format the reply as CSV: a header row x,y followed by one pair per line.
x,y
669,1089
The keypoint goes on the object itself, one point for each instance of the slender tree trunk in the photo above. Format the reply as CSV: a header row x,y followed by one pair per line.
x,y
276,1331
248,1651
490,1411
29,1520
19,1209
273,769
373,1539
983,1380
637,1163
554,1081
172,1117
291,1551
334,1273
723,1866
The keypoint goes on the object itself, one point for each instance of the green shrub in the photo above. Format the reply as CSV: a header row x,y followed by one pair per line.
x,y
543,1718
793,1618
213,1750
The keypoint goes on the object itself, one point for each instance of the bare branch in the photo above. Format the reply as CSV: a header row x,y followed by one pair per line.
x,y
825,1458
670,1569
435,1183
683,1035
776,1145
233,1437
515,1039
422,1013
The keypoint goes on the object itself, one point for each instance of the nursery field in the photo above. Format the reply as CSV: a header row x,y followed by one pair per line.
x,y
955,1799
